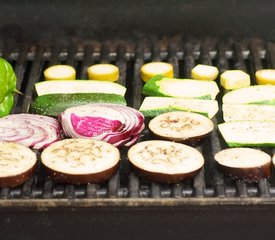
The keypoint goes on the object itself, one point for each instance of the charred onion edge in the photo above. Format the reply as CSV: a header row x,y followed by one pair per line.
x,y
97,177
18,179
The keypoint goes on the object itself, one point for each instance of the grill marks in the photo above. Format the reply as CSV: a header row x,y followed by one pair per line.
x,y
30,61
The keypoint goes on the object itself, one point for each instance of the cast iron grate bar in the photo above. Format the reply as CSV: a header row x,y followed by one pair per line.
x,y
30,62
270,55
88,60
121,63
238,57
189,61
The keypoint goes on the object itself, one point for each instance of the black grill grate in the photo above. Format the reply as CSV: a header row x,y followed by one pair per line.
x,y
29,62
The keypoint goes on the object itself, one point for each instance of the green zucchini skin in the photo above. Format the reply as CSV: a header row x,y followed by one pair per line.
x,y
54,104
151,88
156,112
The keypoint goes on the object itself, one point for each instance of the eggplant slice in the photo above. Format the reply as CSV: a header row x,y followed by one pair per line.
x,y
17,164
244,164
184,127
165,161
81,161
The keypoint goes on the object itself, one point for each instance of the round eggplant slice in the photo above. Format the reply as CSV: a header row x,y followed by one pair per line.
x,y
185,127
17,164
244,164
165,161
81,161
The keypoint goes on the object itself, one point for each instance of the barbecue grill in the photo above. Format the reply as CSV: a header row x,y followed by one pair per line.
x,y
234,35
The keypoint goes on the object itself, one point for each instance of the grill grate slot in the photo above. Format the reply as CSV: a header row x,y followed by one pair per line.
x,y
30,61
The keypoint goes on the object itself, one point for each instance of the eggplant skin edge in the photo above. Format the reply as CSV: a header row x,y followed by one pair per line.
x,y
17,180
163,177
251,174
98,177
191,141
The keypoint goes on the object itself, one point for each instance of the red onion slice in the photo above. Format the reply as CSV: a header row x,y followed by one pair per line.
x,y
112,123
31,130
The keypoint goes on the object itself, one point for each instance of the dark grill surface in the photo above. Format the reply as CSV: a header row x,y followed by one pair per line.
x,y
29,61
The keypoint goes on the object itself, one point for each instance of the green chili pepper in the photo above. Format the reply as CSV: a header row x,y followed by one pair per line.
x,y
7,87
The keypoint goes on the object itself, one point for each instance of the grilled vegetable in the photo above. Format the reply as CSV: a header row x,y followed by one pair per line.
x,y
34,131
262,94
55,104
248,133
164,161
153,106
245,164
235,79
265,76
7,87
185,127
17,164
105,72
79,86
240,112
81,161
149,70
112,123
60,72
180,88
204,72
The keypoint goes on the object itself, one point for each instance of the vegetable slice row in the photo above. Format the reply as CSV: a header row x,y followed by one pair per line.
x,y
31,130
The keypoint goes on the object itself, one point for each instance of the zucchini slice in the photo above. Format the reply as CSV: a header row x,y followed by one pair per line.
x,y
265,76
180,88
60,72
248,133
153,106
151,69
234,79
240,112
245,164
204,72
55,104
79,86
262,94
103,72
